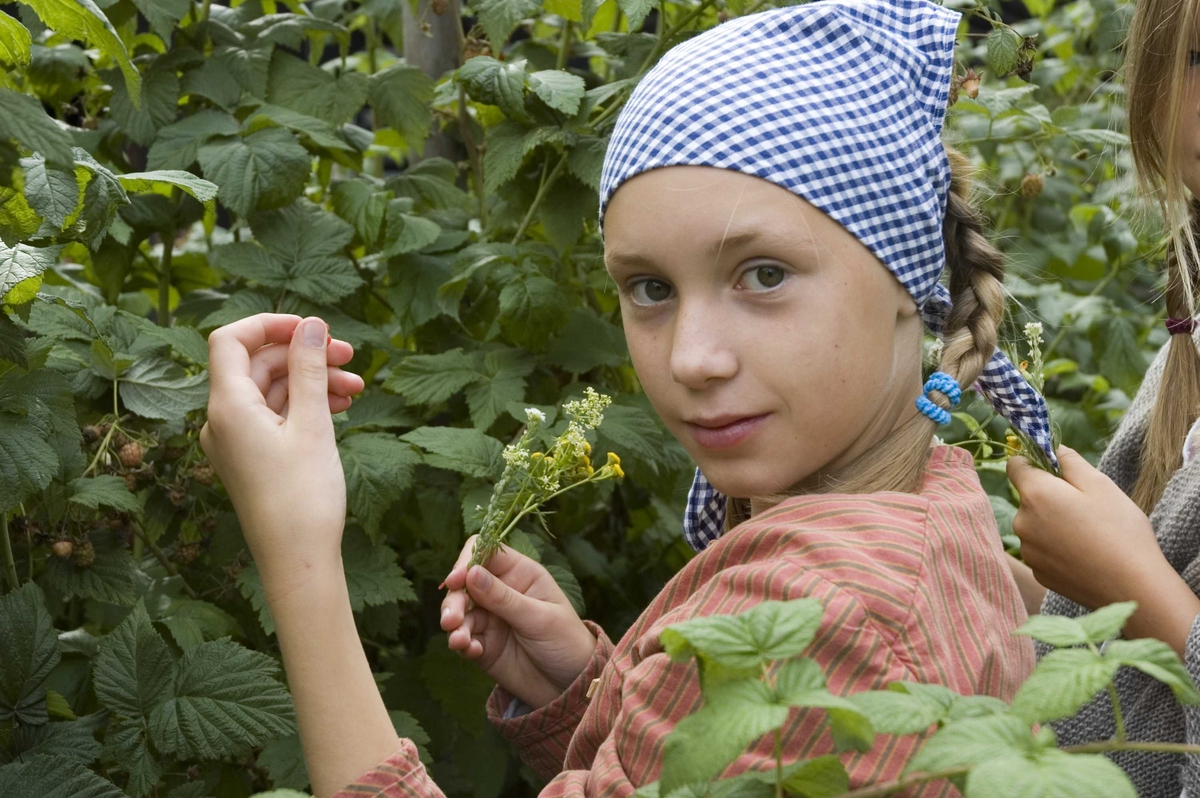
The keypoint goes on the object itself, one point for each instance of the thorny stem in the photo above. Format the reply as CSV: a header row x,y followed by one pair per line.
x,y
10,565
779,763
543,190
1130,745
1118,717
564,45
107,436
162,559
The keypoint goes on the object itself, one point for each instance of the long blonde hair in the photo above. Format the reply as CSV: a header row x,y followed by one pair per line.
x,y
1156,64
976,269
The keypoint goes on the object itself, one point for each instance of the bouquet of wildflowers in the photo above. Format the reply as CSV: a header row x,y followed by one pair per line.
x,y
1033,370
532,478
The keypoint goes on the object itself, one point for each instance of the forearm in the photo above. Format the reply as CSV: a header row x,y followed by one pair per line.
x,y
344,725
1031,591
1167,607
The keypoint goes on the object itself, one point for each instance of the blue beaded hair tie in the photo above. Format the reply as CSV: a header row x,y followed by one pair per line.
x,y
943,382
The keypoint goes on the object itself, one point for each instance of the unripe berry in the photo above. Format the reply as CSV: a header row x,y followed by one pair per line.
x,y
130,454
84,554
1032,185
62,549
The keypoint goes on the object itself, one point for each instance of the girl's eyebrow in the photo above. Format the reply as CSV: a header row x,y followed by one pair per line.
x,y
795,238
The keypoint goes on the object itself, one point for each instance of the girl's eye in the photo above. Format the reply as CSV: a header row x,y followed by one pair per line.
x,y
650,292
764,278
1193,57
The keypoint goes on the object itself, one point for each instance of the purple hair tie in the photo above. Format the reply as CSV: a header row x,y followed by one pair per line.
x,y
1181,326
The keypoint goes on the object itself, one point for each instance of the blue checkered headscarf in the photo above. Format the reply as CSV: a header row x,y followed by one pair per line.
x,y
842,103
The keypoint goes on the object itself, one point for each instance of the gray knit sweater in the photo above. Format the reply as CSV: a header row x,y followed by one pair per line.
x,y
1151,712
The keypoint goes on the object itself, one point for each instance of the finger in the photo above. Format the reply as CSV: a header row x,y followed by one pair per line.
x,y
491,593
460,637
474,650
342,384
308,376
229,350
278,394
271,363
1075,469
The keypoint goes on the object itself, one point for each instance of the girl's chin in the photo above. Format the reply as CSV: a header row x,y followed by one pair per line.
x,y
732,480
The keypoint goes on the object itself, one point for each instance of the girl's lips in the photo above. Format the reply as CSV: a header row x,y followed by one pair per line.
x,y
726,435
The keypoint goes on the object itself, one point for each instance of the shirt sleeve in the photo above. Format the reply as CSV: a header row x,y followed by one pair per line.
x,y
401,775
542,736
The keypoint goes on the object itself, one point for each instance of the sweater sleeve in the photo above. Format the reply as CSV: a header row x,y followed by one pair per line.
x,y
542,736
1190,766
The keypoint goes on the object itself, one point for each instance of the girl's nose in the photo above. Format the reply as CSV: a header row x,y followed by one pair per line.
x,y
700,351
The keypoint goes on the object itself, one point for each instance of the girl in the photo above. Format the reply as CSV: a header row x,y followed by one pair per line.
x,y
777,231
1085,540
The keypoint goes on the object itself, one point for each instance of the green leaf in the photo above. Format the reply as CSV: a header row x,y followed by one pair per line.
x,y
28,652
823,777
1003,48
1157,660
163,15
249,582
27,461
154,387
467,451
284,762
53,193
1107,622
636,11
227,701
500,17
362,206
296,84
502,382
430,183
974,741
508,144
400,96
1055,630
74,740
23,262
1100,136
134,671
266,169
772,630
57,706
559,89
25,121
300,249
158,107
1050,774
532,308
586,342
125,743
432,379
1120,357
1063,681
54,777
372,575
14,42
202,190
83,20
177,146
215,81
586,161
905,707
12,342
736,714
496,82
112,576
191,622
378,469
406,232
104,490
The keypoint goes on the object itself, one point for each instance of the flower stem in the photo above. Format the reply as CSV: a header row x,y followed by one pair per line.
x,y
1118,716
543,190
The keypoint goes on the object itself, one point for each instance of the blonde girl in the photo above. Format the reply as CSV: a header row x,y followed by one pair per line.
x,y
1088,538
778,211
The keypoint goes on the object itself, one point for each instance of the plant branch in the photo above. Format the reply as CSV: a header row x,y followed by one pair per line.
x,y
162,559
10,565
543,189
164,281
564,45
1130,745
1118,716
464,130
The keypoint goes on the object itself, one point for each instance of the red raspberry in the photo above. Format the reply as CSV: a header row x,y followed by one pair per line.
x,y
130,454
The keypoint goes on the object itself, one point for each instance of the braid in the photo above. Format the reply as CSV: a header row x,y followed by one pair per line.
x,y
976,273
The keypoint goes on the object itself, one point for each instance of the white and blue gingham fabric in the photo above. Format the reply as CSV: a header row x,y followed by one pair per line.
x,y
841,102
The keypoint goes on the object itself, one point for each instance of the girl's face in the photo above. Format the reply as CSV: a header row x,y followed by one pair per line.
x,y
1189,123
769,339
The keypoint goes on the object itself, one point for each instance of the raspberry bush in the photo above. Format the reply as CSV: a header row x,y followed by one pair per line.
x,y
168,166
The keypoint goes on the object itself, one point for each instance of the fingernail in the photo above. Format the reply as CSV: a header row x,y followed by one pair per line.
x,y
314,333
483,578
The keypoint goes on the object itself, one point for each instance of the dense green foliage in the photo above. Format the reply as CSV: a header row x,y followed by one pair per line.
x,y
169,166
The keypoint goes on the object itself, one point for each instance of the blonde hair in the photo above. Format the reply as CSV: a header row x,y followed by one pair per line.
x,y
1156,64
976,269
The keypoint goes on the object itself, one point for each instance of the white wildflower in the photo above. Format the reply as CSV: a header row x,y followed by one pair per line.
x,y
516,456
1033,333
533,415
588,411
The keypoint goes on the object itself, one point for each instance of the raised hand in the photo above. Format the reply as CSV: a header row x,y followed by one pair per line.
x,y
522,629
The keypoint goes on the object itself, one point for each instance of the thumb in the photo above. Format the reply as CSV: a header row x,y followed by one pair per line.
x,y
490,592
1076,470
308,375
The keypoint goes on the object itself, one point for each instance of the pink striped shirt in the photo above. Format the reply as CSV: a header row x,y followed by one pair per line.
x,y
915,588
